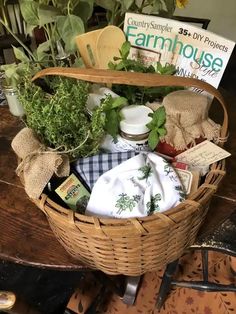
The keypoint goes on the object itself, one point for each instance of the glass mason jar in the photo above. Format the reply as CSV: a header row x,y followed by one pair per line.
x,y
133,126
15,106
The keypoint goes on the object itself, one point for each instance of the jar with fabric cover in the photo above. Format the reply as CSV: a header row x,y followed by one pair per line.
x,y
187,122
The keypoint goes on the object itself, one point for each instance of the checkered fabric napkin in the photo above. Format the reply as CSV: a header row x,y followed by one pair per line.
x,y
91,168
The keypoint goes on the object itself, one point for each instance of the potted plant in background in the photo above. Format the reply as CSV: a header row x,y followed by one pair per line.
x,y
115,9
60,26
61,22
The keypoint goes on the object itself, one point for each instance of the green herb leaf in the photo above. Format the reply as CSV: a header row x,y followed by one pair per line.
x,y
29,11
118,102
20,55
158,67
137,94
120,66
61,119
156,126
161,131
47,14
84,9
106,4
127,4
111,108
160,115
151,125
68,28
42,51
168,69
125,49
170,6
153,139
111,65
112,123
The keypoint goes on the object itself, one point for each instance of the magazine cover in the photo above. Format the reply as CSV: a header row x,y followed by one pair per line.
x,y
195,52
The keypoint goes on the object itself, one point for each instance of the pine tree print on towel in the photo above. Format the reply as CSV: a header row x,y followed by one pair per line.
x,y
153,205
125,202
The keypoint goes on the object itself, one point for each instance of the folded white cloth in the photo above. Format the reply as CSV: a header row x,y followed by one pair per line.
x,y
138,187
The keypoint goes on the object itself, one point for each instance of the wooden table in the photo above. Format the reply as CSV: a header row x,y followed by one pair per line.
x,y
26,239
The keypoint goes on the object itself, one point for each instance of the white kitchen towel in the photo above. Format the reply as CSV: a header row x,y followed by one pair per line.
x,y
138,187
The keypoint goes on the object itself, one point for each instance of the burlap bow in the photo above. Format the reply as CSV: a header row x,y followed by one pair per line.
x,y
38,163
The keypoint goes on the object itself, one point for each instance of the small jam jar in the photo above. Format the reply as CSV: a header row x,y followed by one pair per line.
x,y
133,127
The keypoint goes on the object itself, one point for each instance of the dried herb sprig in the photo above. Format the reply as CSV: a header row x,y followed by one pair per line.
x,y
156,127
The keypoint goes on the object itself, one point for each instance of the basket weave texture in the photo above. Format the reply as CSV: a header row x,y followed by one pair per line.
x,y
138,245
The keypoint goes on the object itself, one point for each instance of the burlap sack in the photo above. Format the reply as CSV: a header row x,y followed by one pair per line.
x,y
187,119
38,163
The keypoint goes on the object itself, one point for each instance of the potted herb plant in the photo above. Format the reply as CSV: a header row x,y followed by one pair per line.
x,y
60,25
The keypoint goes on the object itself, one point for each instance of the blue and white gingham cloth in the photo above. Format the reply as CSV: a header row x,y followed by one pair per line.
x,y
91,168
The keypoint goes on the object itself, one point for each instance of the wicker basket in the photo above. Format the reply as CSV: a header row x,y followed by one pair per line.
x,y
138,245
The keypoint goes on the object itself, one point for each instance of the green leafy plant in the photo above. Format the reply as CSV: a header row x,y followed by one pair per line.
x,y
156,127
137,94
60,119
108,113
61,20
15,73
116,9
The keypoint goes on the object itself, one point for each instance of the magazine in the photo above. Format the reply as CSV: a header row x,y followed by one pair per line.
x,y
195,52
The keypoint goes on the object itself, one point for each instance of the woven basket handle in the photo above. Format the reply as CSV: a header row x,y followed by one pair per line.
x,y
138,79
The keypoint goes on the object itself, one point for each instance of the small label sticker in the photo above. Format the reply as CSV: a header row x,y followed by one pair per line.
x,y
74,194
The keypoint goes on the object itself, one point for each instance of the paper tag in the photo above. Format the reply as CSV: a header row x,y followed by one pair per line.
x,y
195,181
185,177
203,154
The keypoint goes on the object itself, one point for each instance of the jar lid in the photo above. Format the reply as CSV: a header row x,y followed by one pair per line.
x,y
8,88
134,119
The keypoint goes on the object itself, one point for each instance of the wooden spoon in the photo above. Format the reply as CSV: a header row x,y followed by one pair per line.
x,y
86,44
109,41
